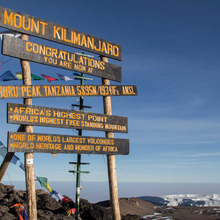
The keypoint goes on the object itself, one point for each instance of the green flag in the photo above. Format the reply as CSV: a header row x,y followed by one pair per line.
x,y
43,182
34,77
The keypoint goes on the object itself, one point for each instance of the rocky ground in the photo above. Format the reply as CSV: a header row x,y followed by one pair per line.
x,y
131,208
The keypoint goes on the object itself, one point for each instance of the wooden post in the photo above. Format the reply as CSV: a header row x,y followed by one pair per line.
x,y
112,175
29,165
8,158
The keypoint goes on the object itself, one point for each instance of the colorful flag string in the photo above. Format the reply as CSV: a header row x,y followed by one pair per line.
x,y
42,180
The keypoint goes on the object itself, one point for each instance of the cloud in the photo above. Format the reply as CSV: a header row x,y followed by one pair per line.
x,y
213,154
187,155
146,132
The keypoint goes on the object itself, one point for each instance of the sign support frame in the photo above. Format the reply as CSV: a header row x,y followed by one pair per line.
x,y
111,163
29,168
78,171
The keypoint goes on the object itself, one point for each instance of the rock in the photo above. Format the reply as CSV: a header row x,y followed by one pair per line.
x,y
7,216
20,194
131,217
51,209
47,207
90,211
45,201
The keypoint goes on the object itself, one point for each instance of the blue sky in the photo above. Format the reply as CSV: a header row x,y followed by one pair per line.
x,y
170,51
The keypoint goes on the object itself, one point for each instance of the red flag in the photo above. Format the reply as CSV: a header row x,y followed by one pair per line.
x,y
48,78
65,200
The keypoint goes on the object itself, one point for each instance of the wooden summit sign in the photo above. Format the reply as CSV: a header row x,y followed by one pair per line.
x,y
27,24
58,58
49,91
63,118
55,143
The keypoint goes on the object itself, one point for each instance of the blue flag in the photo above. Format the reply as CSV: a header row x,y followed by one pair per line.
x,y
7,76
1,143
64,78
76,74
3,151
22,166
14,159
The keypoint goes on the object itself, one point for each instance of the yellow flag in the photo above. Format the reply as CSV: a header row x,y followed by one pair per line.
x,y
47,186
19,75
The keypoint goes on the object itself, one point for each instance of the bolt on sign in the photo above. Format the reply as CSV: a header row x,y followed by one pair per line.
x,y
41,28
48,91
55,143
58,58
63,118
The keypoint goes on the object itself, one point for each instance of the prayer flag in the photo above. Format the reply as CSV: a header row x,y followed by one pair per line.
x,y
22,166
48,78
3,151
58,195
76,74
9,33
7,76
43,182
1,143
71,211
19,75
64,78
14,159
47,186
34,77
65,200
83,54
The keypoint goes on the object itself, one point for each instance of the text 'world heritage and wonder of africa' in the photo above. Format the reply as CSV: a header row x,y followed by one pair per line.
x,y
52,143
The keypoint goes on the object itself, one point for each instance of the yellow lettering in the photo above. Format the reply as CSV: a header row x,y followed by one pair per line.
x,y
75,39
83,41
34,26
8,19
48,51
115,51
43,27
29,24
65,36
90,43
28,46
99,48
15,20
104,47
56,32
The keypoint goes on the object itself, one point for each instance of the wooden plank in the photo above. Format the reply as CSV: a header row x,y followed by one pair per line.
x,y
49,91
58,58
55,143
27,24
29,167
63,118
111,161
